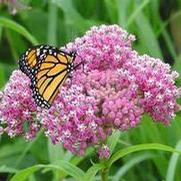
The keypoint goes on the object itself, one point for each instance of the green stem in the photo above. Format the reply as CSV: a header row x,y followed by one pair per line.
x,y
105,171
104,174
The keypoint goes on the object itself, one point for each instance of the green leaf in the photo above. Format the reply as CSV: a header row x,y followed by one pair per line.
x,y
136,12
52,24
172,163
122,11
167,37
111,6
113,140
68,168
69,10
56,155
150,146
77,159
39,18
75,23
2,75
167,22
56,152
90,174
177,64
170,45
74,159
5,169
131,163
92,171
1,30
5,22
7,151
147,35
27,148
25,173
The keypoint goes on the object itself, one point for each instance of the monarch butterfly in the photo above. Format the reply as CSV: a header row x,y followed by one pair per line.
x,y
48,67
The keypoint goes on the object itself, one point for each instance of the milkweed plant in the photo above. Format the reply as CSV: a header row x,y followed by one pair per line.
x,y
111,92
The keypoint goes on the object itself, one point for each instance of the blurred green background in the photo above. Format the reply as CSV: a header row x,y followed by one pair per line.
x,y
157,26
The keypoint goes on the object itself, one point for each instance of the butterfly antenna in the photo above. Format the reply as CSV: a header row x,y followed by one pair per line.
x,y
81,63
74,53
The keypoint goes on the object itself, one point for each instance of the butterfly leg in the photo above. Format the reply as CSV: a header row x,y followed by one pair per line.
x,y
69,78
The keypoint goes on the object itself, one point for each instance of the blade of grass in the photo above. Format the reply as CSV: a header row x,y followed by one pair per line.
x,y
176,65
154,13
5,22
111,6
75,160
131,163
52,24
172,163
147,35
1,30
122,11
169,44
113,140
136,12
166,35
72,170
5,169
11,44
141,147
75,23
2,75
167,22
69,10
92,171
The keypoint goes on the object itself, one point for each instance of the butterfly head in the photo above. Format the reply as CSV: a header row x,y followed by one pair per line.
x,y
73,54
70,67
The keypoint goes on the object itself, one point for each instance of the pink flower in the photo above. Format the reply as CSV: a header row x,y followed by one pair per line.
x,y
104,47
157,84
85,112
154,79
71,119
112,91
18,107
104,152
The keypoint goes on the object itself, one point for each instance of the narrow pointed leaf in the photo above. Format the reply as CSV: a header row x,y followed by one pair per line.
x,y
68,168
5,22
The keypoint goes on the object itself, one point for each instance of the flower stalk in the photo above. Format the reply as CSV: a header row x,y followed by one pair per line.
x,y
104,174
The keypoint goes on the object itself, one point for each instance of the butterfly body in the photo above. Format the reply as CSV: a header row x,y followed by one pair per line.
x,y
48,68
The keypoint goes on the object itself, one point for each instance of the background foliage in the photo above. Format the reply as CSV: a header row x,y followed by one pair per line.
x,y
157,26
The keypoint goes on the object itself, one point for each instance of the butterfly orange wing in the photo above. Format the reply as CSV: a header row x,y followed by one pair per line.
x,y
48,69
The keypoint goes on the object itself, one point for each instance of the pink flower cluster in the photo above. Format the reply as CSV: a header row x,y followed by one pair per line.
x,y
156,81
18,110
104,47
112,91
71,120
104,152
